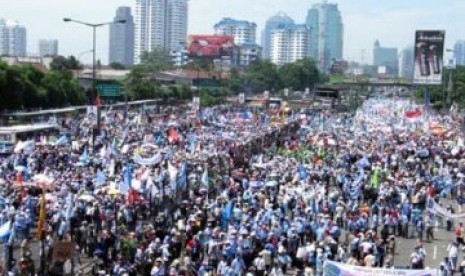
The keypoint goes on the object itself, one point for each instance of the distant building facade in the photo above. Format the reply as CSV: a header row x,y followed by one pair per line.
x,y
327,31
290,44
459,52
48,47
406,63
122,38
242,31
246,49
12,38
278,21
159,24
386,57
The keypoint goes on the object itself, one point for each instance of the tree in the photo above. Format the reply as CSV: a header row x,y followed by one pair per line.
x,y
156,60
117,66
60,63
262,75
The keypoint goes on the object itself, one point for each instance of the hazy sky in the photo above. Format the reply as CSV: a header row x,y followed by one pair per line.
x,y
392,21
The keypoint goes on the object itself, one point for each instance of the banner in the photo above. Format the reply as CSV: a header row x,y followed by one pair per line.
x,y
429,52
339,269
436,209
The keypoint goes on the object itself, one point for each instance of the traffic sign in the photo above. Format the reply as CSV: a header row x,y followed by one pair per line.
x,y
109,89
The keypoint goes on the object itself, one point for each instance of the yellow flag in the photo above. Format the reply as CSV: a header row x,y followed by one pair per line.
x,y
42,218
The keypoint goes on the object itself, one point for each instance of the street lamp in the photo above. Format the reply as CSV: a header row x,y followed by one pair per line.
x,y
94,92
450,83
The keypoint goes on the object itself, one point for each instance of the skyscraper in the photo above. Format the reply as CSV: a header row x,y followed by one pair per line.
x,y
48,47
278,21
387,57
327,30
12,38
242,31
406,64
459,52
122,38
289,44
159,24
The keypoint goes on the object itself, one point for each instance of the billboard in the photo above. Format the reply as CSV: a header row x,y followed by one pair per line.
x,y
212,46
429,53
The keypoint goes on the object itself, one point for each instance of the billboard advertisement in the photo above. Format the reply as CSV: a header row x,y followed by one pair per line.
x,y
212,46
429,53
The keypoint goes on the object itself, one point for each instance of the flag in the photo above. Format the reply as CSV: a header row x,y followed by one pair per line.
x,y
227,213
62,141
375,179
101,178
98,101
42,218
128,176
172,171
182,180
413,114
204,180
173,136
303,172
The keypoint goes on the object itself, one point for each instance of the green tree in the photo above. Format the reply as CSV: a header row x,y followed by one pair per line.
x,y
156,60
262,75
117,66
60,63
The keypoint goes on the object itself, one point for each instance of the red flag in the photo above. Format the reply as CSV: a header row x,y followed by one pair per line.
x,y
133,196
98,101
173,136
413,114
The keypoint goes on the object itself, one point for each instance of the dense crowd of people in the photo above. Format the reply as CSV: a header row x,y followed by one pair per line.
x,y
236,192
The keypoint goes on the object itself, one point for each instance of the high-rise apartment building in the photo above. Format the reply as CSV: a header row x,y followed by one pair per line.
x,y
289,44
406,63
159,24
459,52
12,38
327,31
278,21
242,31
122,38
48,47
386,57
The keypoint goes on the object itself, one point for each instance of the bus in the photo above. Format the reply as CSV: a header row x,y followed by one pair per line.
x,y
11,135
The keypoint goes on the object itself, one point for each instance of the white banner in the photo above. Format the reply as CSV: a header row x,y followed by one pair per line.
x,y
438,210
339,269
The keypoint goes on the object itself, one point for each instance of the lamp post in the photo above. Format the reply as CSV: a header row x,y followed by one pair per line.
x,y
94,93
450,83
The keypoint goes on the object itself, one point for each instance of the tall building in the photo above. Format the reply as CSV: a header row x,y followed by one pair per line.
x,y
12,38
278,21
459,52
406,63
122,38
159,24
242,31
386,57
325,23
48,47
289,44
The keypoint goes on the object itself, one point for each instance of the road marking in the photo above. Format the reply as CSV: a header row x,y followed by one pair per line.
x,y
435,251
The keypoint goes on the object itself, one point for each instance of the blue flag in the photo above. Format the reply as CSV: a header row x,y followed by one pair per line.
x,y
303,172
226,217
182,180
101,178
128,176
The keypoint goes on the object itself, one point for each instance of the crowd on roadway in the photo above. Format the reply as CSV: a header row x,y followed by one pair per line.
x,y
230,191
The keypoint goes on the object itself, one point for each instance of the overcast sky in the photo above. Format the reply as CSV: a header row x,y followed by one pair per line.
x,y
392,21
